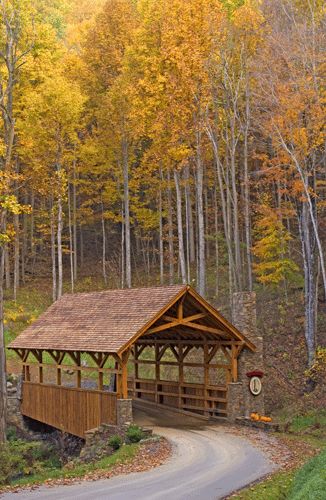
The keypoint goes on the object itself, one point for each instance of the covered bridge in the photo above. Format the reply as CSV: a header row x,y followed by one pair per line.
x,y
90,354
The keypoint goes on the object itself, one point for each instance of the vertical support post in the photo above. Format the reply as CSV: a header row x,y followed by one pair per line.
x,y
78,376
136,371
27,373
60,357
157,371
206,376
58,375
123,375
100,373
40,367
181,378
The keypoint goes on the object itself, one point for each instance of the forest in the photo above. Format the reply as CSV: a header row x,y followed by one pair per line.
x,y
160,141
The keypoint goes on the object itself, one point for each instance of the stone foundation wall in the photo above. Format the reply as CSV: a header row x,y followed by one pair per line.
x,y
124,412
235,401
245,319
14,416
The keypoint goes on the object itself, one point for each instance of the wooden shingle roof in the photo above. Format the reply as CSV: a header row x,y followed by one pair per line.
x,y
97,321
111,320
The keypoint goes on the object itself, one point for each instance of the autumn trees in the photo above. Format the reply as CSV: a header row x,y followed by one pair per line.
x,y
164,140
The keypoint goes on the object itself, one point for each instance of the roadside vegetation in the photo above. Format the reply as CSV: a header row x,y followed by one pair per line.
x,y
27,462
305,479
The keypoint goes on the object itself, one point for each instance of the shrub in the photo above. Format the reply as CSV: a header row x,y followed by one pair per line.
x,y
134,434
11,434
12,464
21,458
115,441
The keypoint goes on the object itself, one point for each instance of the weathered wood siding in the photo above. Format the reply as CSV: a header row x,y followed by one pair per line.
x,y
69,409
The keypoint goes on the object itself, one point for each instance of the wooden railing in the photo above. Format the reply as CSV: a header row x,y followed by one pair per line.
x,y
71,410
207,400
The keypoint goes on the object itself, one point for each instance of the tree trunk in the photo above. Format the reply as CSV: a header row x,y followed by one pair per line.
x,y
24,243
3,377
247,221
7,266
201,227
224,205
126,211
81,244
170,232
161,249
74,220
190,222
16,255
307,242
59,249
71,248
216,243
105,278
182,262
123,271
53,257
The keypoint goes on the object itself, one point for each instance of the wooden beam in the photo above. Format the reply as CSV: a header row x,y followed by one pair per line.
x,y
193,343
173,350
194,317
97,357
162,351
163,327
168,318
186,351
212,352
180,309
204,328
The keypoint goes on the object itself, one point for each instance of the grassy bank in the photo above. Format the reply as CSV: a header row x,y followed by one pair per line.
x,y
305,479
34,462
123,455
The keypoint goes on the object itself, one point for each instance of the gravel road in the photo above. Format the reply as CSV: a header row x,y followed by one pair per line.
x,y
207,464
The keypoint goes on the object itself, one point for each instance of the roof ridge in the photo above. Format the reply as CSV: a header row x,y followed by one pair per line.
x,y
175,285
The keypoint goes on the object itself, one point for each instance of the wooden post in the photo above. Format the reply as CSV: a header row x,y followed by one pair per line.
x,y
27,373
40,368
124,374
60,357
206,376
78,364
136,370
100,373
181,379
157,370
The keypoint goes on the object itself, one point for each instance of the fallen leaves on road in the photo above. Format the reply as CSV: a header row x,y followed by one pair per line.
x,y
281,450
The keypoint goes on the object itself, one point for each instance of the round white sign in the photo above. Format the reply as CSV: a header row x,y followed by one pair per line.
x,y
255,386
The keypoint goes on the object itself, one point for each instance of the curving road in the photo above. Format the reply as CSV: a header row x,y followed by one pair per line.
x,y
207,464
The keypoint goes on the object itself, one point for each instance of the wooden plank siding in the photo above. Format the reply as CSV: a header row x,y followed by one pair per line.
x,y
71,410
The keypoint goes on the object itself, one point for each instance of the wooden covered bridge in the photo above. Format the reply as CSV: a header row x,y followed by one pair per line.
x,y
90,354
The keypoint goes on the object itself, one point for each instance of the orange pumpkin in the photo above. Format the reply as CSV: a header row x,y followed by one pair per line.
x,y
265,419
